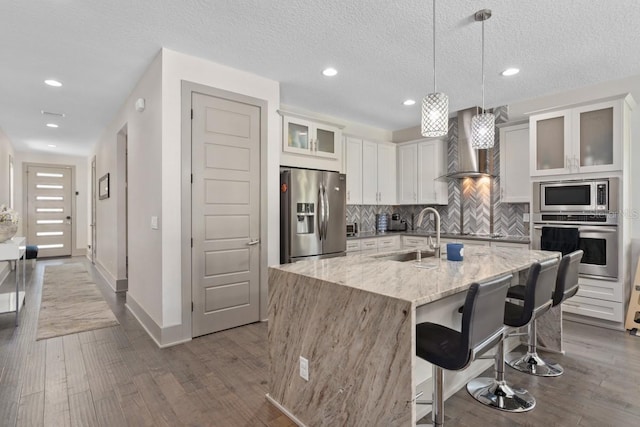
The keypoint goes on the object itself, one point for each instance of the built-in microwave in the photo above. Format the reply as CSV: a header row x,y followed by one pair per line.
x,y
575,196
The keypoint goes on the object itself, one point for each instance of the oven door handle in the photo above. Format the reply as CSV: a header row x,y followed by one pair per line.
x,y
581,228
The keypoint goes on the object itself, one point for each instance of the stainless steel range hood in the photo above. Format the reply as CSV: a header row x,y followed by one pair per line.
x,y
472,163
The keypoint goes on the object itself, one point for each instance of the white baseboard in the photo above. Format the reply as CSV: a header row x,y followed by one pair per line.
x,y
593,321
117,285
163,337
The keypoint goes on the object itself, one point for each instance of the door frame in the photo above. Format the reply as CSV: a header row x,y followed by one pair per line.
x,y
187,89
25,198
94,231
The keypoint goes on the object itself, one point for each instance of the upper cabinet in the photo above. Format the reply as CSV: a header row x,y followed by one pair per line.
x,y
353,169
310,143
515,183
582,139
408,174
378,173
311,138
421,165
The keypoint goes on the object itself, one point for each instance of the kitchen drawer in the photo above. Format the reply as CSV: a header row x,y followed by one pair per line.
x,y
353,245
414,242
509,245
591,307
600,289
389,243
369,244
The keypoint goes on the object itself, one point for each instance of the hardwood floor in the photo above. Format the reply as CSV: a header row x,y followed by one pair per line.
x,y
117,376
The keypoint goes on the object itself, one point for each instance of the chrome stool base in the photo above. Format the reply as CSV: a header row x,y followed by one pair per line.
x,y
532,363
499,395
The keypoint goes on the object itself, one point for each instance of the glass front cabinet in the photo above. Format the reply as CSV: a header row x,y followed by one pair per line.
x,y
310,138
583,139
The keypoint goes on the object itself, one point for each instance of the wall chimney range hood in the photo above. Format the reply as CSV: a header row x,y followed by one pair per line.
x,y
472,163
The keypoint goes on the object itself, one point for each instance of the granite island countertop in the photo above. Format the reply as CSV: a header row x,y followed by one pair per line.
x,y
422,233
434,279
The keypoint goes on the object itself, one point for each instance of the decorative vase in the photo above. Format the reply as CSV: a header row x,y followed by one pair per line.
x,y
7,230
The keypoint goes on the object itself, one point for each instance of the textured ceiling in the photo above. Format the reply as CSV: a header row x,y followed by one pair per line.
x,y
382,49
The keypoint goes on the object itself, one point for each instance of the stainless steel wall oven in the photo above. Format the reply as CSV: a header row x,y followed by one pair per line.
x,y
579,215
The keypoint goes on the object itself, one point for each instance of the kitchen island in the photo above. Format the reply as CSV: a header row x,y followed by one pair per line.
x,y
353,319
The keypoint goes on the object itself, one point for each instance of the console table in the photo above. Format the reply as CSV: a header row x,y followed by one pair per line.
x,y
12,250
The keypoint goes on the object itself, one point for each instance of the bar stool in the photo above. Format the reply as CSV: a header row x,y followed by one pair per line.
x,y
496,392
566,287
482,328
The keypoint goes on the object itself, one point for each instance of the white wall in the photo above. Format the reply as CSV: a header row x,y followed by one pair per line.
x,y
80,182
145,195
518,110
176,68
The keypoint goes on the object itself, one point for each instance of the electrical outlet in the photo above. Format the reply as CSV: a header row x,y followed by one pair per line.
x,y
525,217
304,368
154,222
431,216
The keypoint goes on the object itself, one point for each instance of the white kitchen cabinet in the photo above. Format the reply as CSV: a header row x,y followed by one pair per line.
x,y
369,245
432,164
515,182
311,138
420,164
408,174
590,307
414,241
583,139
388,243
378,173
353,169
509,245
353,245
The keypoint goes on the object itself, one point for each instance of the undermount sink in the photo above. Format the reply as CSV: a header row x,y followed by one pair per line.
x,y
407,256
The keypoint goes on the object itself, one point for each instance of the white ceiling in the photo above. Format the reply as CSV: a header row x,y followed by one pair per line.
x,y
381,48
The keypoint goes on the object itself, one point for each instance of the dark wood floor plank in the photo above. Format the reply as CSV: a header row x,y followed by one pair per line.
x,y
34,369
31,410
82,411
77,379
109,412
56,399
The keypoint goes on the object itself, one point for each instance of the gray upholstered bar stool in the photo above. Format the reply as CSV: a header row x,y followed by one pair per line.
x,y
566,287
482,328
495,392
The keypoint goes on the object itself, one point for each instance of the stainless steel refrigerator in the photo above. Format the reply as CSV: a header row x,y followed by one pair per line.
x,y
312,214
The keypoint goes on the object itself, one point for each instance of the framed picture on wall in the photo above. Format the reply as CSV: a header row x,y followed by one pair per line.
x,y
103,187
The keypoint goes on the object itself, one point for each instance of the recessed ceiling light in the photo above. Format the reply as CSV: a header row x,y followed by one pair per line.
x,y
53,83
510,72
52,125
409,102
329,72
51,145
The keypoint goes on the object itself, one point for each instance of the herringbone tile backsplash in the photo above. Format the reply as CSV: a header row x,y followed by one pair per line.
x,y
473,197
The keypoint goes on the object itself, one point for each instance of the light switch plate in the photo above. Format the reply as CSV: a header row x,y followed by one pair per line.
x,y
154,222
304,368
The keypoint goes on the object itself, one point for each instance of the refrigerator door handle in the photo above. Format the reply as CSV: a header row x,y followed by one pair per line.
x,y
328,210
320,212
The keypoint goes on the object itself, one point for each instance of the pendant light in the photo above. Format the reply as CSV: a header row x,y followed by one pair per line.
x,y
435,106
483,124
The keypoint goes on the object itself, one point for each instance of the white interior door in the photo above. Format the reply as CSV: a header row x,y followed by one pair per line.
x,y
225,213
49,209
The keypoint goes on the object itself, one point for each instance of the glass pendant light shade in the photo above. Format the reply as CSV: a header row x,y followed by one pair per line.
x,y
483,125
483,130
435,115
